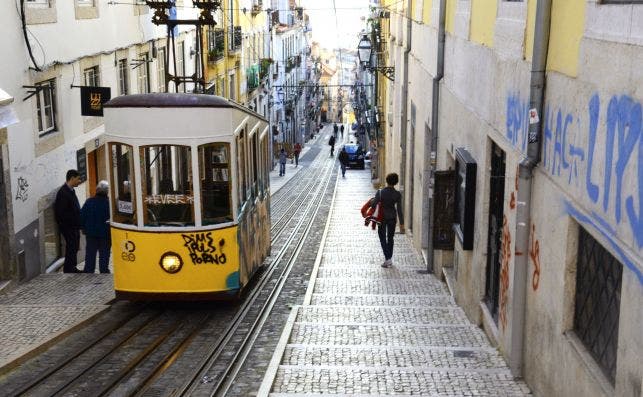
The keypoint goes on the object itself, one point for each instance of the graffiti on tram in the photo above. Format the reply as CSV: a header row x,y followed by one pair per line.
x,y
203,249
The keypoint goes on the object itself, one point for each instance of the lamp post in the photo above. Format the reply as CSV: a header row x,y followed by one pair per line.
x,y
365,55
280,96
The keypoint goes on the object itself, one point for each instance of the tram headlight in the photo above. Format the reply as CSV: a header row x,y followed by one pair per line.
x,y
171,262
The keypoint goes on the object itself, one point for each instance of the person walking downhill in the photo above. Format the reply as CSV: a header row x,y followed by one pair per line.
x,y
343,160
67,213
283,158
296,150
341,129
331,143
94,218
391,200
335,129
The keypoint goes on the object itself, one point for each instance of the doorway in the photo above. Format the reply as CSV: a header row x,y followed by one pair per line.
x,y
496,214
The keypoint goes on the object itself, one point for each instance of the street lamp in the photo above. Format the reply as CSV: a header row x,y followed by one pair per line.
x,y
365,55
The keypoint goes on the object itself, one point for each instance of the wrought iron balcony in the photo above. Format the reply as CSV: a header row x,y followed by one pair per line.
x,y
234,39
216,44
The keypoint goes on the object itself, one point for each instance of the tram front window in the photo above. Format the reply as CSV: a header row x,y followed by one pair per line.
x,y
168,198
214,166
123,193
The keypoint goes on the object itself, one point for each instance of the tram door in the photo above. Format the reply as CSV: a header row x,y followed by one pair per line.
x,y
496,214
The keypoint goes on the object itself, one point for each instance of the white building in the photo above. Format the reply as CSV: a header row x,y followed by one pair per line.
x,y
289,51
63,45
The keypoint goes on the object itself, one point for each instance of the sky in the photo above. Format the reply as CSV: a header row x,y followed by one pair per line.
x,y
343,32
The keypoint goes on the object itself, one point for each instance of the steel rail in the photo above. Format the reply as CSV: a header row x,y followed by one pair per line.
x,y
78,352
232,370
221,343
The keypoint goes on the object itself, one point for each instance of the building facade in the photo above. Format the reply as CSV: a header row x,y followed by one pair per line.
x,y
289,54
68,47
546,258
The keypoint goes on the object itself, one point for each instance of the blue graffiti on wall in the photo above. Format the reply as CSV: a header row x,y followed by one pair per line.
x,y
619,125
517,121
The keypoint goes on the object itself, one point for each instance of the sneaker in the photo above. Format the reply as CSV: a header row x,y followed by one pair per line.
x,y
387,263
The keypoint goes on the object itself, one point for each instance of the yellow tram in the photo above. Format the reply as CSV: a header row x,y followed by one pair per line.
x,y
189,195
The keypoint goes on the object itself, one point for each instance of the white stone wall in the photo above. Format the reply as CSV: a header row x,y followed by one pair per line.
x,y
590,176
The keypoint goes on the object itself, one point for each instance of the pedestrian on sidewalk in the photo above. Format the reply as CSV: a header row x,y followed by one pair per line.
x,y
331,143
335,129
296,150
67,214
342,130
343,160
391,200
283,158
94,218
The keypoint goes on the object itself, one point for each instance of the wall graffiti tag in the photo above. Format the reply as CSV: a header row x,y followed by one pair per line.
x,y
203,249
598,152
23,189
534,254
504,271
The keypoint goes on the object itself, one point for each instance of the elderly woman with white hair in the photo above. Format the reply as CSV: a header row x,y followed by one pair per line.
x,y
95,222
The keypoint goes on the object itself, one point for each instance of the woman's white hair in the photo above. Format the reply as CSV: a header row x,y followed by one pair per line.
x,y
102,187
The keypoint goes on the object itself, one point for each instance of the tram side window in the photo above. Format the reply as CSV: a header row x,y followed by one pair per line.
x,y
168,198
241,166
255,155
123,193
216,199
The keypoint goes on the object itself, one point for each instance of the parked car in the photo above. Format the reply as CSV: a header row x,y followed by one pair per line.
x,y
355,155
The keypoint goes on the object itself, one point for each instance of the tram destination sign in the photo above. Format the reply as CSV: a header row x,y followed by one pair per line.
x,y
92,100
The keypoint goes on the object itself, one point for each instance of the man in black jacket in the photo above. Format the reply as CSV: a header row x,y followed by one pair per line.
x,y
67,212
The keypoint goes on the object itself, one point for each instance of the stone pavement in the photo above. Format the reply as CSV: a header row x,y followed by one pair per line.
x,y
369,331
39,312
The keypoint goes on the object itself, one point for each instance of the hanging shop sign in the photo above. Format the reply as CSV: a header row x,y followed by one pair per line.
x,y
92,100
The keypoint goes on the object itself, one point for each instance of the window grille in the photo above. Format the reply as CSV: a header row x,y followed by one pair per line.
x,y
144,74
46,107
622,1
92,77
598,301
123,79
160,68
38,3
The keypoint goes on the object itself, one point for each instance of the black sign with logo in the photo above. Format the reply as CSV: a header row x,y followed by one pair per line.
x,y
92,100
81,164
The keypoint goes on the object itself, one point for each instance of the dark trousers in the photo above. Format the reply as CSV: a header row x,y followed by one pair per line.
x,y
282,169
94,245
386,232
296,159
72,243
343,166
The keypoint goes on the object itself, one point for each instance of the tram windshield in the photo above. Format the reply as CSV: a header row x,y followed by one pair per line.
x,y
123,191
168,198
214,169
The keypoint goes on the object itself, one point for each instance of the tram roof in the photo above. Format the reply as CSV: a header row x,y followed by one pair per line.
x,y
174,100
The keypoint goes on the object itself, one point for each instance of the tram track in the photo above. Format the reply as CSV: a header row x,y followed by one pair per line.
x,y
283,261
92,367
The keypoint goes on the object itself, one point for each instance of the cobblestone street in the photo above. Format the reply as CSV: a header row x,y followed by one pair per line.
x,y
48,307
365,330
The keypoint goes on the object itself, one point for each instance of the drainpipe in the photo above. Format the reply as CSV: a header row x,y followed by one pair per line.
x,y
433,145
404,85
525,176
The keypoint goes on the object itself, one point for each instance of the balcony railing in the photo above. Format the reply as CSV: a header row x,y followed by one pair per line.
x,y
264,67
216,44
252,77
234,39
257,7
